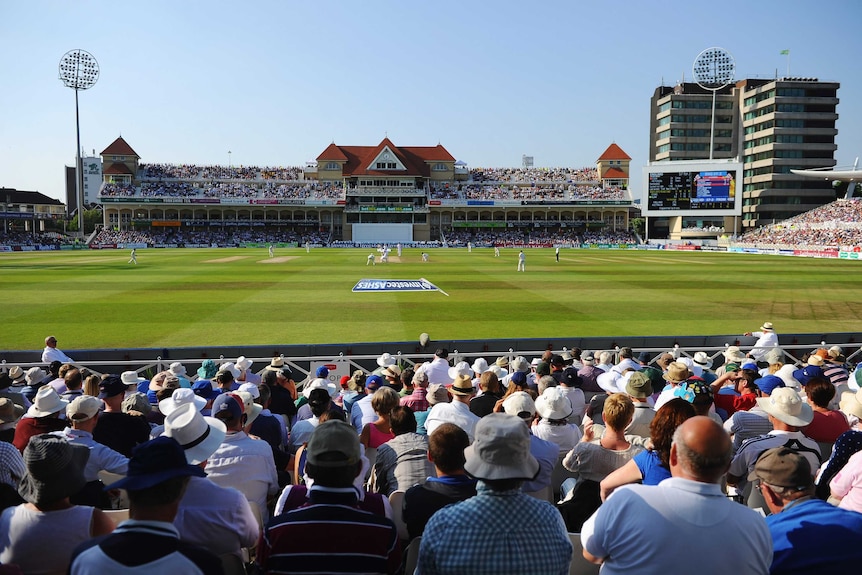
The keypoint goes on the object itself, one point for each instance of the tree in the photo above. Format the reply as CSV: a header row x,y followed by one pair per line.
x,y
92,218
637,225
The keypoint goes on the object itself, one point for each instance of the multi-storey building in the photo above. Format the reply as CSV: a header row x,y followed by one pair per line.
x,y
772,126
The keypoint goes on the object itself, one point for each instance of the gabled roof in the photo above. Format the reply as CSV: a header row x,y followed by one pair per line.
x,y
358,158
24,197
119,147
614,174
614,152
118,168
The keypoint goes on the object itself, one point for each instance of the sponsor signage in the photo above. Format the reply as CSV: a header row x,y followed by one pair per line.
x,y
383,285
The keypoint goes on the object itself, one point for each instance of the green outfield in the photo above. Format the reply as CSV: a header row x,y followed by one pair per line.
x,y
199,297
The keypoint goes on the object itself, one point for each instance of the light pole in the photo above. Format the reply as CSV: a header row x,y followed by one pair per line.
x,y
79,71
713,69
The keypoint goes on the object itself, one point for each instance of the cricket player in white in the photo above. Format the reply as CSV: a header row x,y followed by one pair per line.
x,y
134,257
271,254
522,261
370,260
424,257
496,252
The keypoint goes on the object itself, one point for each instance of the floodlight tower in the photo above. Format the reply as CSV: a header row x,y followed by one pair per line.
x,y
79,70
713,69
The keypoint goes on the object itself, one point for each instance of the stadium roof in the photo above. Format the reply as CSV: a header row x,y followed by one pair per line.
x,y
119,147
22,197
360,158
118,168
614,173
614,152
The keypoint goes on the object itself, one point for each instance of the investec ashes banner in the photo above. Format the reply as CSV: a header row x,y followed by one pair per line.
x,y
370,285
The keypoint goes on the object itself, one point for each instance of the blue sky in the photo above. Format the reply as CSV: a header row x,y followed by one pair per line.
x,y
275,82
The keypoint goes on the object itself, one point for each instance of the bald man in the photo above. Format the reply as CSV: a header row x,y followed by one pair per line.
x,y
689,518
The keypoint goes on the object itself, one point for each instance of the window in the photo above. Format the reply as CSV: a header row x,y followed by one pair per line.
x,y
332,165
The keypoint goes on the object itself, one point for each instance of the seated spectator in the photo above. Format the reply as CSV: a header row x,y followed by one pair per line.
x,y
690,507
40,535
450,484
492,392
456,541
401,462
157,480
119,431
12,470
554,407
216,518
306,539
42,417
84,413
417,400
651,466
808,535
828,424
10,413
593,459
379,431
240,461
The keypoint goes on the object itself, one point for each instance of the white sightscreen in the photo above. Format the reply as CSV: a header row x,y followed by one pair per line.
x,y
382,233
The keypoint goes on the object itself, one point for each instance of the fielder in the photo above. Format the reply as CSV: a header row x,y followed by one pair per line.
x,y
271,254
522,261
134,257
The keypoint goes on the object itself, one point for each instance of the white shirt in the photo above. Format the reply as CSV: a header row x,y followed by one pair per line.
x,y
438,371
247,465
362,413
455,412
765,339
50,354
216,518
302,431
681,515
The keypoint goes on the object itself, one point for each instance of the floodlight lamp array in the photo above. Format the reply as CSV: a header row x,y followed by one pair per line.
x,y
79,70
714,68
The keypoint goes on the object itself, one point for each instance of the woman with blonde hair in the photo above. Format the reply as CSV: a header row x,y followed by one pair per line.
x,y
652,466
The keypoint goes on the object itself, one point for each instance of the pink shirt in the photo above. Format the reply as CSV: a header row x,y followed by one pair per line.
x,y
847,484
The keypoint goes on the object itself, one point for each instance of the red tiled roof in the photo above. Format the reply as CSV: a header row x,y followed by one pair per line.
x,y
119,147
614,174
332,153
613,152
118,168
358,158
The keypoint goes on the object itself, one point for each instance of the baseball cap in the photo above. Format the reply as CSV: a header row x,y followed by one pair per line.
x,y
229,404
111,386
768,383
83,407
783,467
337,439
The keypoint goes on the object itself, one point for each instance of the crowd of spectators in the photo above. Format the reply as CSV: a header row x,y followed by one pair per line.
x,y
231,461
554,193
539,237
214,189
522,175
836,225
210,237
196,172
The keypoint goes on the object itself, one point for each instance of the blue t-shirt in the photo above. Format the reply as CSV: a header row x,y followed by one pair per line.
x,y
650,467
815,537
